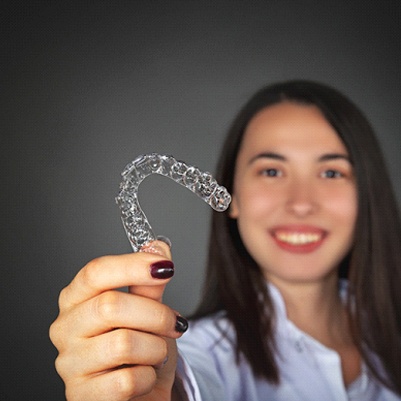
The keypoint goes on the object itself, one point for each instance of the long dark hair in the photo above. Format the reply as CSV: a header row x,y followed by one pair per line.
x,y
234,283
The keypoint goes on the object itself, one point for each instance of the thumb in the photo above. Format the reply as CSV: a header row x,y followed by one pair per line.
x,y
155,290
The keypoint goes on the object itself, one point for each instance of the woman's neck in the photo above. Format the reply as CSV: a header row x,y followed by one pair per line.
x,y
317,309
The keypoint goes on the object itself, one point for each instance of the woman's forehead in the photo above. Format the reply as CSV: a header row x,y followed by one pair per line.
x,y
291,126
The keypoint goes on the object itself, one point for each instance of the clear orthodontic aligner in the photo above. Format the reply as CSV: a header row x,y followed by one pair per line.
x,y
136,225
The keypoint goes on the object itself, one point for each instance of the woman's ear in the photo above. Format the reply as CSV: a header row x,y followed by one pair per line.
x,y
233,210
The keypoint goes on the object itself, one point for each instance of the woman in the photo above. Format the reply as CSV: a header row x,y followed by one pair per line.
x,y
312,203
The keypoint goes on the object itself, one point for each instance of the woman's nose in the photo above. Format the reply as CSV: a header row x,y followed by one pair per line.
x,y
302,198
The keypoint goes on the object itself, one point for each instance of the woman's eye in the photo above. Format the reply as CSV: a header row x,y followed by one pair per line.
x,y
272,172
331,174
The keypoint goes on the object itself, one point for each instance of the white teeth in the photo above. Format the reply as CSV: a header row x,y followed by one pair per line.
x,y
298,238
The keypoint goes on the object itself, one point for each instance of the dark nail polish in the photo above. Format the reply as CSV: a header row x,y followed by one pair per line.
x,y
163,269
181,325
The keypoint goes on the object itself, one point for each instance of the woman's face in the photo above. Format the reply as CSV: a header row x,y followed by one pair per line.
x,y
294,196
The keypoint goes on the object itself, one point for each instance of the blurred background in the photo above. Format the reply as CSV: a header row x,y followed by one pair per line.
x,y
87,86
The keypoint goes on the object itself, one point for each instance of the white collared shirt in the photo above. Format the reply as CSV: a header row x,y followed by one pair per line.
x,y
309,371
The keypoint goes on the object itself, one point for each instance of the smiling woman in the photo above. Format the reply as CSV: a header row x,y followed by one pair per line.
x,y
301,298
312,205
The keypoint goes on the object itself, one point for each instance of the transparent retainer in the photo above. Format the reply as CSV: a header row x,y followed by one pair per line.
x,y
136,224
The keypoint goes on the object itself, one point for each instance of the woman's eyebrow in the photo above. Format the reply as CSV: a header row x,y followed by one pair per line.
x,y
276,156
334,156
267,155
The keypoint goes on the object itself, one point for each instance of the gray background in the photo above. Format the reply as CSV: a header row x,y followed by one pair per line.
x,y
86,88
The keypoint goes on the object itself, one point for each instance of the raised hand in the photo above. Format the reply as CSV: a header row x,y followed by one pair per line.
x,y
115,345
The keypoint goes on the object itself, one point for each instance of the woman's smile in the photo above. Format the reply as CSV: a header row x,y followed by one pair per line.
x,y
298,239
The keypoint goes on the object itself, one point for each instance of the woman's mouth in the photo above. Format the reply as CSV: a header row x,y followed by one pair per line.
x,y
299,239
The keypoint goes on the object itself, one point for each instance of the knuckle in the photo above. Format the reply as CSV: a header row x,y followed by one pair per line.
x,y
60,366
62,299
90,272
87,277
125,348
133,382
53,333
57,334
108,305
120,346
124,384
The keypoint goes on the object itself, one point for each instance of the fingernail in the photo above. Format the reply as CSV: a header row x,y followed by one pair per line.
x,y
181,325
162,269
164,239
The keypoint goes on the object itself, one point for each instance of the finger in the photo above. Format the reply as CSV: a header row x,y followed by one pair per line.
x,y
110,272
116,385
113,349
116,309
161,248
